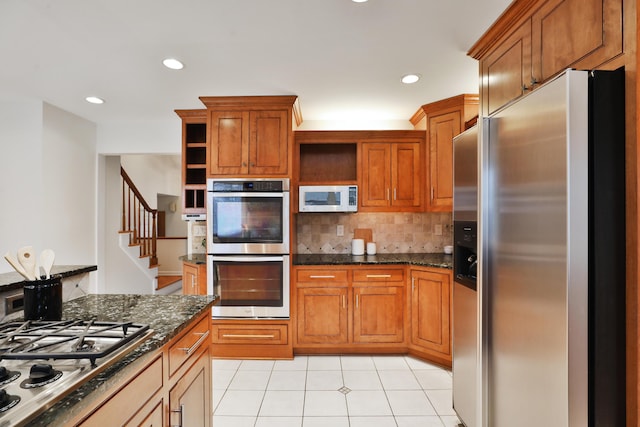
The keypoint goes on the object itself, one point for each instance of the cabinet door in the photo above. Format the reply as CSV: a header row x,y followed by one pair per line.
x,y
376,175
378,314
189,279
322,315
581,34
506,72
442,129
228,143
268,142
190,398
431,310
405,175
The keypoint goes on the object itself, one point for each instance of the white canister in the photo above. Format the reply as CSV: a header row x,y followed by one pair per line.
x,y
371,248
357,247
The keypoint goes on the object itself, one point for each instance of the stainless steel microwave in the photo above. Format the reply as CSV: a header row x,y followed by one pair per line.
x,y
328,198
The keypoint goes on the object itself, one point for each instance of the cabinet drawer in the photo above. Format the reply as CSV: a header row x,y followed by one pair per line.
x,y
379,275
321,275
188,344
250,334
123,405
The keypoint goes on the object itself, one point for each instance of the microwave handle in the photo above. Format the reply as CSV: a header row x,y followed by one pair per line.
x,y
241,258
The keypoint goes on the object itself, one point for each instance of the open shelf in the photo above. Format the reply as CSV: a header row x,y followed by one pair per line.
x,y
328,162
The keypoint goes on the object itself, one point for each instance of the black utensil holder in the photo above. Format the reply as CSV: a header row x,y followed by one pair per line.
x,y
43,299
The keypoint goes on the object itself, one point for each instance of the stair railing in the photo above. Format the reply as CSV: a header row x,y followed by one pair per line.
x,y
139,220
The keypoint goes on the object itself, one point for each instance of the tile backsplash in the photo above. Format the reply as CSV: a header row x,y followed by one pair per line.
x,y
392,232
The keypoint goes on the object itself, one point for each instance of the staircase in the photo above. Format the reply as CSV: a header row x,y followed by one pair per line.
x,y
138,233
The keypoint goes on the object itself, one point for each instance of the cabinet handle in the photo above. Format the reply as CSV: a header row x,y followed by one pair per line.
x,y
378,276
180,413
534,81
203,336
322,277
388,190
248,336
344,302
394,194
356,300
413,284
432,192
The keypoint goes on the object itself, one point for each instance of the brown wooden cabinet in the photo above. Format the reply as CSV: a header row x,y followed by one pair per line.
x,y
190,397
442,121
391,176
349,309
249,135
178,376
194,160
535,40
194,279
430,296
378,310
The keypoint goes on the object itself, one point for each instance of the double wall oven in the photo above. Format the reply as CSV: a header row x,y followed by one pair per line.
x,y
248,247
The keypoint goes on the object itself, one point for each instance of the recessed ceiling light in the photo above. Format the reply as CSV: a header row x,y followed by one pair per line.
x,y
410,78
358,1
94,100
173,63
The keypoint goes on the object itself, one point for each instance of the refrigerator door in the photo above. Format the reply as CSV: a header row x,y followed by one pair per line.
x,y
465,296
536,292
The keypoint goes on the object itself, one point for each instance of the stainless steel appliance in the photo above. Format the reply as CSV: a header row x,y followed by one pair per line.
x,y
248,216
553,346
42,361
249,286
328,198
465,266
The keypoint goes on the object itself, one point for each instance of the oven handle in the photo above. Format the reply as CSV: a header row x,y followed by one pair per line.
x,y
248,194
203,336
249,258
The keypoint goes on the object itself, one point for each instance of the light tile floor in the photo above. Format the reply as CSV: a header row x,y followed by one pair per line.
x,y
332,391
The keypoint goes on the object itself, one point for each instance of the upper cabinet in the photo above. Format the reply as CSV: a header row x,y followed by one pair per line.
x,y
194,160
251,135
391,176
443,120
534,40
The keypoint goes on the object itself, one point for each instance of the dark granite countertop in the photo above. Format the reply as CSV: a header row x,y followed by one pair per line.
x,y
436,260
13,280
167,315
194,258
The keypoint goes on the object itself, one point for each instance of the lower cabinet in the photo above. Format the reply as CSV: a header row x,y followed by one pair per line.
x,y
172,389
358,309
430,296
194,279
251,338
349,309
190,398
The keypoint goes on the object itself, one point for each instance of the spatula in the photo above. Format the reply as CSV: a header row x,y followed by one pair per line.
x,y
16,265
28,261
46,261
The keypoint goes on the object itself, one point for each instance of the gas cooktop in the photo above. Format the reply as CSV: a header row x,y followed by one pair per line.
x,y
42,361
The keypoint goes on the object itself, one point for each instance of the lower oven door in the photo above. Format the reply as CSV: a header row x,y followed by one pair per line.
x,y
249,286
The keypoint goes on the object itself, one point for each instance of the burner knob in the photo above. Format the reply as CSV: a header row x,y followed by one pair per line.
x,y
3,373
41,371
4,397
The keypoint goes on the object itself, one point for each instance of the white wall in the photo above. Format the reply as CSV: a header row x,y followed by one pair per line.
x,y
154,174
48,173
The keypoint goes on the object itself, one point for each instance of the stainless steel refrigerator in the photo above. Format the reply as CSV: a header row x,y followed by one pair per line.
x,y
465,267
553,256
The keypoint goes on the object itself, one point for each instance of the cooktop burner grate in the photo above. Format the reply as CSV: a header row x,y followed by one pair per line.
x,y
70,339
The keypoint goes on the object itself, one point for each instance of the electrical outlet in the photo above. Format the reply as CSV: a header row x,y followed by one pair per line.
x,y
340,230
437,230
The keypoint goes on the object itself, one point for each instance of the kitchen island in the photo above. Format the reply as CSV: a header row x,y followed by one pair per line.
x,y
172,319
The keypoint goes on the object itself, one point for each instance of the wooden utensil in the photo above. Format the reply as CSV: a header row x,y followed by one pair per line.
x,y
28,261
46,261
16,265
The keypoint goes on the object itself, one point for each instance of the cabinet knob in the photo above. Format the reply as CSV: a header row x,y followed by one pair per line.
x,y
252,164
244,164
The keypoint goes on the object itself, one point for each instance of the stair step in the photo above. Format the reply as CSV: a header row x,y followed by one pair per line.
x,y
164,281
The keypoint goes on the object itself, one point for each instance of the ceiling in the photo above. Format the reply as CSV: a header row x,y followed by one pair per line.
x,y
344,60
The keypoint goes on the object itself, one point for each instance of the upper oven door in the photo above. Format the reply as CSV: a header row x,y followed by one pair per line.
x,y
248,223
